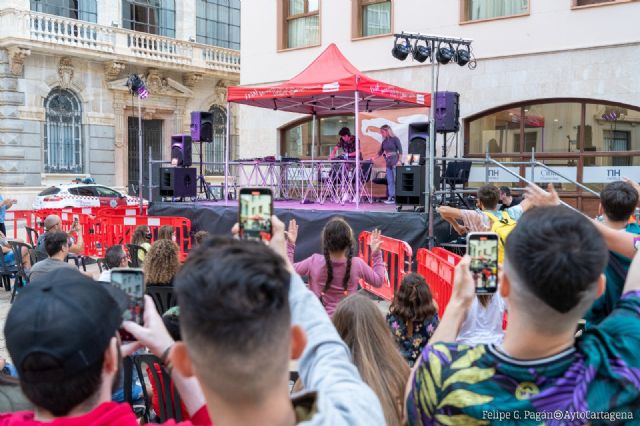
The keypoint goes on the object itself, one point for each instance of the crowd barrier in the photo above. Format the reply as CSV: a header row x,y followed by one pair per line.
x,y
397,256
437,266
102,227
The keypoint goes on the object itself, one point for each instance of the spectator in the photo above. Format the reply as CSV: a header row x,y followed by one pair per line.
x,y
361,326
200,236
115,257
552,274
166,232
162,263
618,202
56,244
483,323
11,397
53,223
335,275
62,336
8,255
4,206
412,317
506,199
142,237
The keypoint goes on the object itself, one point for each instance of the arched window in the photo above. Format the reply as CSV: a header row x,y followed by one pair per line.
x,y
84,10
63,133
150,16
296,140
218,23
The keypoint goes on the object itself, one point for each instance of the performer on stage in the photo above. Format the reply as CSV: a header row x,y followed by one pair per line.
x,y
392,151
346,143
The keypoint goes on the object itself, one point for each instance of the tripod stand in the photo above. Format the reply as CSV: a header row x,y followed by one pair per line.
x,y
204,186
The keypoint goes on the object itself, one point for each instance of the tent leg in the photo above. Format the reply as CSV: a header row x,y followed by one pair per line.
x,y
357,135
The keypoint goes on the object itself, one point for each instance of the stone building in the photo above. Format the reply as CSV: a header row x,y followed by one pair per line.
x,y
65,108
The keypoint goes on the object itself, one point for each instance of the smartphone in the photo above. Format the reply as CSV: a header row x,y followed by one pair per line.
x,y
482,247
131,281
254,216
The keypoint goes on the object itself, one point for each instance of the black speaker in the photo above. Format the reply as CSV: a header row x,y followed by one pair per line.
x,y
181,150
178,182
418,135
410,184
447,112
202,126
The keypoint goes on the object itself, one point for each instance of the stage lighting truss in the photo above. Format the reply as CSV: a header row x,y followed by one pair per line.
x,y
434,48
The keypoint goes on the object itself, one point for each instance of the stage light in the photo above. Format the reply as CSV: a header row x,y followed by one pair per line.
x,y
136,85
401,51
445,54
421,53
463,56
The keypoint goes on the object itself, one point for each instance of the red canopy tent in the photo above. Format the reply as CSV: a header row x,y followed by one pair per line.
x,y
329,85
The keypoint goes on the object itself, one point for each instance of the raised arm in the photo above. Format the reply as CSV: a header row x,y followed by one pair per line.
x,y
633,276
375,275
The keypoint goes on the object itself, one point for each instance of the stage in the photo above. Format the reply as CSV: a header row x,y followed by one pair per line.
x,y
218,218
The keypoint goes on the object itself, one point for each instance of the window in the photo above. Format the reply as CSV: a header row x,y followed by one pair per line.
x,y
373,17
297,139
578,3
62,133
49,191
218,23
150,16
83,191
301,26
103,191
474,10
84,10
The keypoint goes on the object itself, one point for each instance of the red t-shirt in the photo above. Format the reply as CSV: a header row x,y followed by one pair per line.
x,y
105,414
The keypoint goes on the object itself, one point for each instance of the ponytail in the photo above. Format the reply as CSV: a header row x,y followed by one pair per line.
x,y
347,273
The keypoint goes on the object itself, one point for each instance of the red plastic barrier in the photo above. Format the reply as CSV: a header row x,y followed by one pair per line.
x,y
438,273
19,218
397,256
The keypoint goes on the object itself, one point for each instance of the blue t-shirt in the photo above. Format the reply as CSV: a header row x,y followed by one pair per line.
x,y
3,210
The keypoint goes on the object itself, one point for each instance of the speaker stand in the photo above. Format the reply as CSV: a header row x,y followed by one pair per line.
x,y
204,186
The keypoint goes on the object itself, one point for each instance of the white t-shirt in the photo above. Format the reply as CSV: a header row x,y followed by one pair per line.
x,y
105,276
483,325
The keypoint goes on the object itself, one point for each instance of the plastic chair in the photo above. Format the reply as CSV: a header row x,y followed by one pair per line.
x,y
21,275
169,400
134,252
7,272
79,260
162,296
32,236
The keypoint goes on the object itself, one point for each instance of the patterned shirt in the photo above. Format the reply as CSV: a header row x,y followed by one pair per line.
x,y
411,346
597,381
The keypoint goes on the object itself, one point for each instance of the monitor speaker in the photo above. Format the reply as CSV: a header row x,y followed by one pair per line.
x,y
178,182
410,184
202,126
181,150
447,112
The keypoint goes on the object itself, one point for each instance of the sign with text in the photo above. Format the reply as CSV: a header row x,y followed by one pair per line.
x,y
606,174
495,174
542,175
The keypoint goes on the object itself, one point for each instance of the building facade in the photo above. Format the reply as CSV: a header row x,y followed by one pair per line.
x,y
65,108
561,77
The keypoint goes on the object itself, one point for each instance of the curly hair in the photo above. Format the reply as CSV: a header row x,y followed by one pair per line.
x,y
161,263
165,232
413,301
139,236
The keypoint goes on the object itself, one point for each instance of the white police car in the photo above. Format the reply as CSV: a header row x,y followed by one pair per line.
x,y
82,195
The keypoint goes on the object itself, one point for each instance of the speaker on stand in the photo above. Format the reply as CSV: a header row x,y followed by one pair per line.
x,y
181,150
447,117
202,131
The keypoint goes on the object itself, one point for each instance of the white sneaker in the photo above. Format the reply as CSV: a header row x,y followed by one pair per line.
x,y
389,201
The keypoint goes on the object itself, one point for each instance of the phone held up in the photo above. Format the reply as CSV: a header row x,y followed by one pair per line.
x,y
131,281
482,247
254,215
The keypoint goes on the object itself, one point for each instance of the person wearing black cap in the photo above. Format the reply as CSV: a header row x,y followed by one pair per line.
x,y
62,335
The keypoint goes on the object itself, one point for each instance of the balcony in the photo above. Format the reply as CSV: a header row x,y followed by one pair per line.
x,y
46,33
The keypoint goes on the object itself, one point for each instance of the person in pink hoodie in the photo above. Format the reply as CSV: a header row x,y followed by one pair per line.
x,y
335,274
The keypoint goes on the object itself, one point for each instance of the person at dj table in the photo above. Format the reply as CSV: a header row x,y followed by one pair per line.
x,y
346,144
391,148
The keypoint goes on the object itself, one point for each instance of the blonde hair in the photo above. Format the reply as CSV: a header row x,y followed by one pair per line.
x,y
362,327
166,232
161,263
387,129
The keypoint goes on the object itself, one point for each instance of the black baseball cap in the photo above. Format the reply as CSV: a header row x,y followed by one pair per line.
x,y
69,317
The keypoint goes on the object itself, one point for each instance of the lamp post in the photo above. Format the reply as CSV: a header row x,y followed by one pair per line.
x,y
136,86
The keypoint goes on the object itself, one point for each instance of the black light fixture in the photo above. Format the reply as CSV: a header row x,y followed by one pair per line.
x,y
400,50
421,53
463,56
445,54
136,85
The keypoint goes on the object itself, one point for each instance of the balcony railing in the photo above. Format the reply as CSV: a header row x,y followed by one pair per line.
x,y
33,29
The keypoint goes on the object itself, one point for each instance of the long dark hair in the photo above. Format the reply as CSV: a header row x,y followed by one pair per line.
x,y
337,236
140,235
361,325
413,301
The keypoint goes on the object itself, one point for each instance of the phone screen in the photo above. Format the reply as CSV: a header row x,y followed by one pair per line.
x,y
483,250
131,281
256,208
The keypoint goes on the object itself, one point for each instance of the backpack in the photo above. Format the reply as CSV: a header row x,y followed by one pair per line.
x,y
503,228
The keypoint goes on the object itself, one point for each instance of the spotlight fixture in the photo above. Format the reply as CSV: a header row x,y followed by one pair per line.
x,y
136,85
401,51
445,54
421,53
463,56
